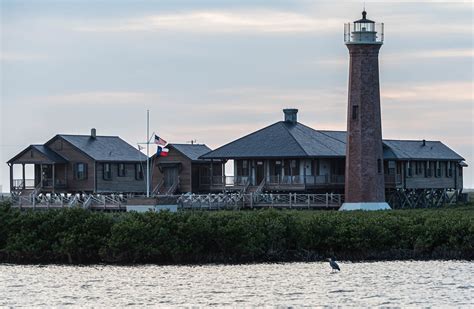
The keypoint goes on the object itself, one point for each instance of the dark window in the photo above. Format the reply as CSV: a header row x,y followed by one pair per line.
x,y
107,171
409,169
292,167
121,170
438,169
32,154
428,169
392,165
138,171
355,112
449,169
379,166
419,168
81,171
242,168
59,145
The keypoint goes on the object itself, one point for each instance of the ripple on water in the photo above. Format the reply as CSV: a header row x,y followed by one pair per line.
x,y
412,283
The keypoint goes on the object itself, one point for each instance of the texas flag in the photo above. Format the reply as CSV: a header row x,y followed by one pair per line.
x,y
162,152
160,141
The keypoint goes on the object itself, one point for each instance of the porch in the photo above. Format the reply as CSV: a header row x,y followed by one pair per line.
x,y
275,183
37,169
46,178
290,175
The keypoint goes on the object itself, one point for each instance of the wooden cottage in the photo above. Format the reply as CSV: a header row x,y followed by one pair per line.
x,y
80,164
289,156
183,171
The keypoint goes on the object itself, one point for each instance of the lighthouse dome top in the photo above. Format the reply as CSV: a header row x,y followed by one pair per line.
x,y
363,31
364,19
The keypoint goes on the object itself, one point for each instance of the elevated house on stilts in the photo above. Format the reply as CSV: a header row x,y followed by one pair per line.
x,y
80,164
288,156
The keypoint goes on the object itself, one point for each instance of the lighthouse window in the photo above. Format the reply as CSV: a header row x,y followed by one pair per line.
x,y
379,166
355,110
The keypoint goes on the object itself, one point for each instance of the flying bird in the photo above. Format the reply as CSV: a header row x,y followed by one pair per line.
x,y
333,264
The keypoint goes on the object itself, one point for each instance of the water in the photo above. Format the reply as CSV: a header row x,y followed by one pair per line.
x,y
432,283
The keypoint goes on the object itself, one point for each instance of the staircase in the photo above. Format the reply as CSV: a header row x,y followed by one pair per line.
x,y
158,188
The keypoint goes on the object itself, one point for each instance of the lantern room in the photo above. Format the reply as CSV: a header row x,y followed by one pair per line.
x,y
363,31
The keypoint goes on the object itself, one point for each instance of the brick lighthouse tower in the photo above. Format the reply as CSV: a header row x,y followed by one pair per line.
x,y
364,180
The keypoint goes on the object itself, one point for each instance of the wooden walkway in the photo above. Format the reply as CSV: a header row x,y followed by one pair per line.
x,y
221,201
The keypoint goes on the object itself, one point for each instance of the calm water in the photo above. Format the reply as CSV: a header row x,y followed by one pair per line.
x,y
437,283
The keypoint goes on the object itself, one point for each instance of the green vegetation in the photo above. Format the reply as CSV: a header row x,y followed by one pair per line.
x,y
80,236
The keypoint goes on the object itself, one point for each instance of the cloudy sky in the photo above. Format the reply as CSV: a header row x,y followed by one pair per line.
x,y
216,70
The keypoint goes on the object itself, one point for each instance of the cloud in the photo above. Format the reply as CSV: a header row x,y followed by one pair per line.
x,y
96,98
214,21
441,92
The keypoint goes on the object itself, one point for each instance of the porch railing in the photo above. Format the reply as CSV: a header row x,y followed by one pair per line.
x,y
305,180
393,179
28,183
225,181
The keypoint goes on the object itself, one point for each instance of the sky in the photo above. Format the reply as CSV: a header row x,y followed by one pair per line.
x,y
213,71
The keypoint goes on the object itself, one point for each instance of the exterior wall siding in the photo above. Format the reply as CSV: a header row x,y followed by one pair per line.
x,y
74,156
116,183
184,172
32,156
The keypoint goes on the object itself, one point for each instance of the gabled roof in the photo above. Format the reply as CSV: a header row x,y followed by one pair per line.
x,y
52,156
104,148
287,140
191,151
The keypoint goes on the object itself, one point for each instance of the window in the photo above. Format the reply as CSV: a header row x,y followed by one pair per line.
x,y
138,171
355,112
121,170
292,168
391,167
409,169
32,154
242,168
438,169
379,166
419,168
107,172
81,171
449,169
427,169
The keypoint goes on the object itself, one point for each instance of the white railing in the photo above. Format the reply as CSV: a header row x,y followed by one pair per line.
x,y
238,200
19,183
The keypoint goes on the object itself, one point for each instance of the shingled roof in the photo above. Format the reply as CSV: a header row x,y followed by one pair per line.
x,y
51,155
105,148
191,151
295,140
48,153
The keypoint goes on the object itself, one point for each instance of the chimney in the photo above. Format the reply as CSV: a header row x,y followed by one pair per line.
x,y
291,115
424,142
93,133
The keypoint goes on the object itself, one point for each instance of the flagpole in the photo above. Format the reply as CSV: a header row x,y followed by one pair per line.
x,y
148,153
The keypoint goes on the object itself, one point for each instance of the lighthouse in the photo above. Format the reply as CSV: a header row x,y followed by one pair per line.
x,y
364,177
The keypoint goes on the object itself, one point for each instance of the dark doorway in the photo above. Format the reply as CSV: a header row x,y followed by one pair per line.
x,y
170,175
